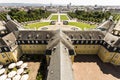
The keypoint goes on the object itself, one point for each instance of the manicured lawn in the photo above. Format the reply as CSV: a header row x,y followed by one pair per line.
x,y
54,17
36,25
81,25
63,17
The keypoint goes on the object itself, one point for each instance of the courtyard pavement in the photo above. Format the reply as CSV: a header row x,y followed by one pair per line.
x,y
90,67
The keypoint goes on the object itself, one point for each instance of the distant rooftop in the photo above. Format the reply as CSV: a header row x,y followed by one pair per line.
x,y
117,27
2,27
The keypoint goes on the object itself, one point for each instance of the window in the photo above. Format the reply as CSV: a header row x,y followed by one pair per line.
x,y
91,41
96,41
32,41
104,43
5,49
108,46
42,41
115,48
18,41
82,42
28,41
86,42
2,32
3,55
77,42
36,41
100,41
22,41
116,32
19,36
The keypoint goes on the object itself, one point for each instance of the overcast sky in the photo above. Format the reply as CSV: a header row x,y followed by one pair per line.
x,y
74,2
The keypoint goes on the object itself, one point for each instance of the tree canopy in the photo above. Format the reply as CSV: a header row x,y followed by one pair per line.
x,y
94,16
23,16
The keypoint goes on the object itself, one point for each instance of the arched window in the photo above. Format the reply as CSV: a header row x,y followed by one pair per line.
x,y
18,41
5,49
42,41
82,42
86,42
115,48
36,41
28,41
91,42
22,41
96,41
32,41
100,41
116,33
108,46
77,41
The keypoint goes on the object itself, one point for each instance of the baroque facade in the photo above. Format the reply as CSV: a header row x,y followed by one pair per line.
x,y
60,46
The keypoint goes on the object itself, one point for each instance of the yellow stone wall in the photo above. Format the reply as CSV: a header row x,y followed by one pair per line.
x,y
10,56
33,49
14,55
4,59
86,49
102,52
116,59
105,55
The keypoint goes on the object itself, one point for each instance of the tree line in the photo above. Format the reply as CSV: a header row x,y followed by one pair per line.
x,y
93,16
23,16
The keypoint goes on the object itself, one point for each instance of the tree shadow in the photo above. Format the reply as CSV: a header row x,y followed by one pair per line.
x,y
32,57
42,72
106,68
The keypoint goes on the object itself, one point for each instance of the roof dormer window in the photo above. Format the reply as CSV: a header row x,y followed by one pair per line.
x,y
108,46
29,36
19,36
99,36
22,41
115,48
100,41
81,37
90,36
71,36
5,49
47,36
37,36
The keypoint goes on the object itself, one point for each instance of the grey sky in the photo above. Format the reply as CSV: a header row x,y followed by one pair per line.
x,y
74,2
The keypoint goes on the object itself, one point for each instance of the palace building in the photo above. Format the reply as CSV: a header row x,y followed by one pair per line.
x,y
60,46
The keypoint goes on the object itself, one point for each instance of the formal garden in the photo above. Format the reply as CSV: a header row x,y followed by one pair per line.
x,y
36,25
63,17
82,25
54,17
